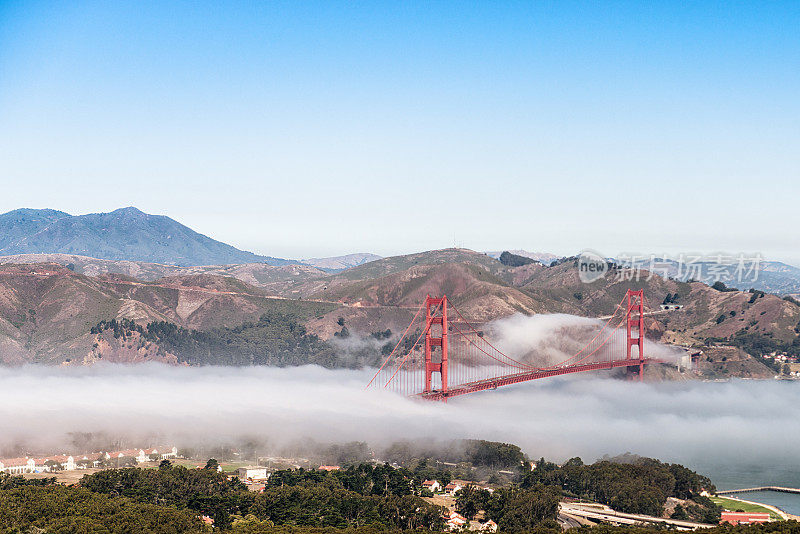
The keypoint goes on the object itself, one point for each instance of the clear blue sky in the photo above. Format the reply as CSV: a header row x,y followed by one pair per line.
x,y
301,128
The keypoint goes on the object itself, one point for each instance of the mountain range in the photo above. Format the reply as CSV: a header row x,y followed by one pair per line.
x,y
123,234
156,242
64,275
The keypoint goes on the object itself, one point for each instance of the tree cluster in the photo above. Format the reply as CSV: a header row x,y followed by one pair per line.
x,y
720,286
639,485
361,495
492,454
362,499
513,509
206,491
364,479
514,260
276,339
758,344
60,509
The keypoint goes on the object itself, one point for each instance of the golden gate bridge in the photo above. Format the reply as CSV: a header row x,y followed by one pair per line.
x,y
446,356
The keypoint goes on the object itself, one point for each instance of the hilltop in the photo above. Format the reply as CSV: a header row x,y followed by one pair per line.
x,y
123,234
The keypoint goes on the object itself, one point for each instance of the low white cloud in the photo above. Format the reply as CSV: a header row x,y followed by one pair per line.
x,y
585,415
549,339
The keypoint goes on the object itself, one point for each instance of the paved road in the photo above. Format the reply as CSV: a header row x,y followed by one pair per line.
x,y
568,521
605,514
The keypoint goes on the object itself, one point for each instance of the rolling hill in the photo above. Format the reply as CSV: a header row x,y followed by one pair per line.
x,y
720,323
48,310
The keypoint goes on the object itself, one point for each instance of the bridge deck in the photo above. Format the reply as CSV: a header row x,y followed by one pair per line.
x,y
493,383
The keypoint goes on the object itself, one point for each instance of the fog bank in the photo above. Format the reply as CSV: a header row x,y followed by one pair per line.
x,y
584,415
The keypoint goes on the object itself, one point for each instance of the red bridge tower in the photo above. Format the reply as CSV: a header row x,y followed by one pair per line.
x,y
635,328
436,321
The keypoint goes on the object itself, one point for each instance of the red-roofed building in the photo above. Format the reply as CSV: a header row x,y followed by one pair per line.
x,y
743,518
329,468
17,466
453,487
456,521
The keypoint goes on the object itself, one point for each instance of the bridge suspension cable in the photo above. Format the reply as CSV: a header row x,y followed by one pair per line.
x,y
456,361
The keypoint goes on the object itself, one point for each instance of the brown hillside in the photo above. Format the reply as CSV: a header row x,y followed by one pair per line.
x,y
46,310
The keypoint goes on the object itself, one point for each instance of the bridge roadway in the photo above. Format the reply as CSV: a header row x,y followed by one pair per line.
x,y
760,488
645,314
494,383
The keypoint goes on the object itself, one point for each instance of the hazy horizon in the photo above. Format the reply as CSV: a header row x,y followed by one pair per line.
x,y
564,251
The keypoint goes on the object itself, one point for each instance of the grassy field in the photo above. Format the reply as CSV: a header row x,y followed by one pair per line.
x,y
732,505
227,467
63,477
230,467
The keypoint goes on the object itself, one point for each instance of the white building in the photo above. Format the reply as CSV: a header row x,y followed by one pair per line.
x,y
452,488
432,485
253,473
17,466
163,453
144,455
67,463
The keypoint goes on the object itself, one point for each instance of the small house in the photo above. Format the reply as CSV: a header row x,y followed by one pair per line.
x,y
252,473
452,488
432,485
